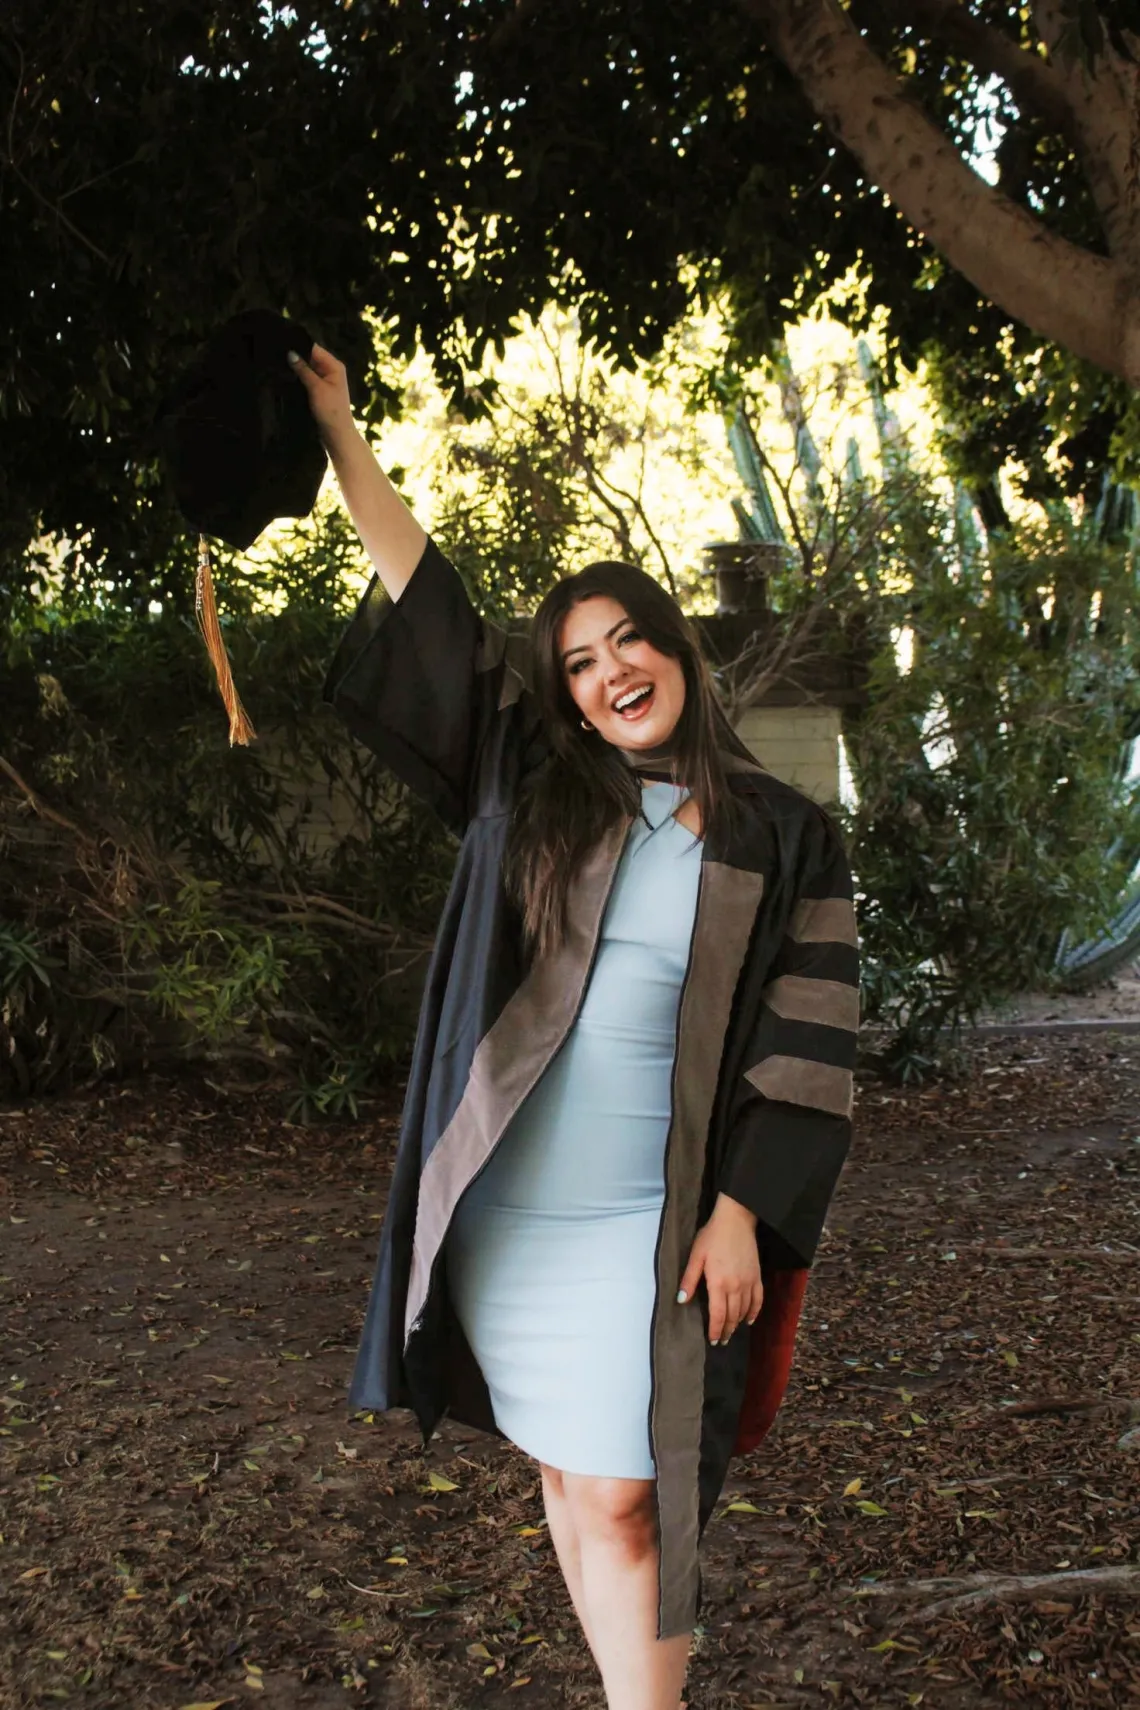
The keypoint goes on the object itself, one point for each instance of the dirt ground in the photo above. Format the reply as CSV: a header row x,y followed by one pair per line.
x,y
1117,999
188,1516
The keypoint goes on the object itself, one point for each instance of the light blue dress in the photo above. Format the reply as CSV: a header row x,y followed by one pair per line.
x,y
550,1255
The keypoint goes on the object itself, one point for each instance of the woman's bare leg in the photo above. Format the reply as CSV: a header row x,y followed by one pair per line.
x,y
614,1521
566,1545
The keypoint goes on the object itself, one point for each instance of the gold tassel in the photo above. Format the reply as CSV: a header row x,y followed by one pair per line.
x,y
206,611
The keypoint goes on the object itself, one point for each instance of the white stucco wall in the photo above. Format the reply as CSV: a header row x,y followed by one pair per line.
x,y
799,744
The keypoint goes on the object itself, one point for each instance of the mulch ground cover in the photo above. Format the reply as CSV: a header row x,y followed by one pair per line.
x,y
946,1514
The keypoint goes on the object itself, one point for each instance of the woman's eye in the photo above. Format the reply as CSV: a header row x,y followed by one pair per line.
x,y
578,665
628,635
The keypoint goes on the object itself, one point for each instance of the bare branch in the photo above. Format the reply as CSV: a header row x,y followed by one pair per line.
x,y
37,802
8,158
580,421
634,501
804,547
773,656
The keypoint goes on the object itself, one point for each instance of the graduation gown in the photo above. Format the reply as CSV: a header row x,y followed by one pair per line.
x,y
762,1081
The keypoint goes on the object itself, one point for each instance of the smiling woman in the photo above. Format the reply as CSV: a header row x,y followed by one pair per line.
x,y
615,657
626,690
630,1097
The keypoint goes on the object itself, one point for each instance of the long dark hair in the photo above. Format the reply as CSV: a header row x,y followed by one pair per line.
x,y
586,785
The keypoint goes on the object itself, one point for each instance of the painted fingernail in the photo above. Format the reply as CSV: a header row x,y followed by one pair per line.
x,y
682,1297
292,357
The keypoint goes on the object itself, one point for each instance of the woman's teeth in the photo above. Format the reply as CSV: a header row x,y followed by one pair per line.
x,y
633,702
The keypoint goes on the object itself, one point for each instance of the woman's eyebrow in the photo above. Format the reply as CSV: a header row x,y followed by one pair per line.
x,y
584,646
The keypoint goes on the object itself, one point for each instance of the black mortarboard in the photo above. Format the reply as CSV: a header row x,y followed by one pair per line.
x,y
239,438
241,448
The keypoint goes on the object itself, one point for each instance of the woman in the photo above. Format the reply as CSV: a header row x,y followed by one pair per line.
x,y
630,1096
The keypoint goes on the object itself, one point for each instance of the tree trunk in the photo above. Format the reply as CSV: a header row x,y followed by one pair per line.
x,y
1068,295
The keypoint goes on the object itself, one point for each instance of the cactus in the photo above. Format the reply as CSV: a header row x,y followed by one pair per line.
x,y
1117,519
758,520
1077,964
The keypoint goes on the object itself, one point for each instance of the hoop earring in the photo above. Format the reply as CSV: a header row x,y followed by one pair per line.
x,y
586,725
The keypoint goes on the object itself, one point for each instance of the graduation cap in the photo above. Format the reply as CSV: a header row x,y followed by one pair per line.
x,y
241,449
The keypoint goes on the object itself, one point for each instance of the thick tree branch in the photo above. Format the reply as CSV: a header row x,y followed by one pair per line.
x,y
1094,113
1097,130
1030,79
1066,294
1103,104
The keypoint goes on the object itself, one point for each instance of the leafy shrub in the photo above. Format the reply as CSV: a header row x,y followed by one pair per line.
x,y
993,812
164,893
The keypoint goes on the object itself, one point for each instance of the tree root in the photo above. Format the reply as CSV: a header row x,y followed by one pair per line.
x,y
981,1588
1053,1252
1036,1405
946,1487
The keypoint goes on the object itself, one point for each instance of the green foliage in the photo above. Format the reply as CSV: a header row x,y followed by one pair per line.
x,y
22,964
994,820
436,171
567,466
216,976
1054,426
511,507
26,976
164,893
174,888
337,1090
987,765
990,772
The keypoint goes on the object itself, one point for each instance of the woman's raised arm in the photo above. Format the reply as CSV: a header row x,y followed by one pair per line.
x,y
388,531
420,677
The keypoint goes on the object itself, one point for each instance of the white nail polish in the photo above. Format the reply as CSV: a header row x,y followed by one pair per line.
x,y
682,1297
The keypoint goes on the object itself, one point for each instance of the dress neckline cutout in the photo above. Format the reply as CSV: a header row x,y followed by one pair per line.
x,y
660,801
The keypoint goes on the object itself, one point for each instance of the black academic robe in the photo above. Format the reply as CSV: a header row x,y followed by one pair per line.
x,y
765,1047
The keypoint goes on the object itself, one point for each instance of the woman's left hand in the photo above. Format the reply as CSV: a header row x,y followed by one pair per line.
x,y
726,1255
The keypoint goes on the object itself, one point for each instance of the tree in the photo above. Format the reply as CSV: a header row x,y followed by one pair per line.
x,y
1081,89
160,167
808,140
436,169
1055,243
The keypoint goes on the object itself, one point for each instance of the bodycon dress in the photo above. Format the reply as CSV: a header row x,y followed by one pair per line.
x,y
550,1254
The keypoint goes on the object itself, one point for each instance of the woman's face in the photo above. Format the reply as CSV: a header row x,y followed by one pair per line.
x,y
630,693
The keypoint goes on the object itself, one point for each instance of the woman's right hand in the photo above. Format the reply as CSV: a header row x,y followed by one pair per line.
x,y
388,531
326,381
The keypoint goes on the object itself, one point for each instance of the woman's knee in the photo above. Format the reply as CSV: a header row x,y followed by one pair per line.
x,y
621,1511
